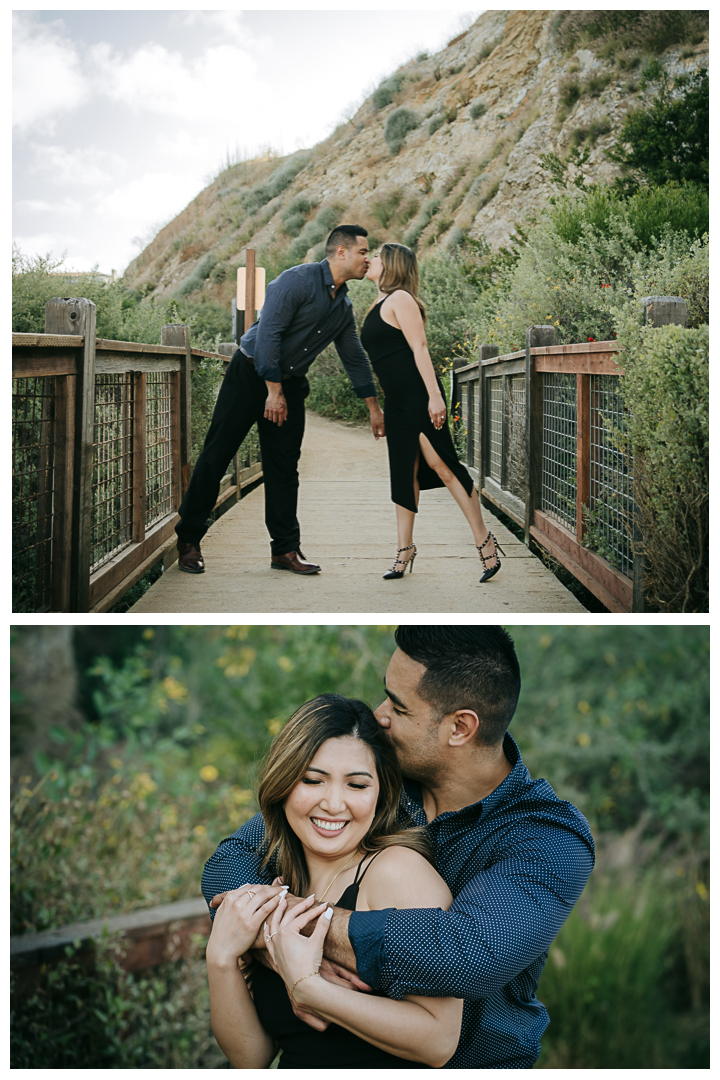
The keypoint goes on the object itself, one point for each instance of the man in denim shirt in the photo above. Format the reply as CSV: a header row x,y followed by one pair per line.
x,y
515,857
306,308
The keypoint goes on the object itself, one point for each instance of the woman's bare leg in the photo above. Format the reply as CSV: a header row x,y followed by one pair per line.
x,y
469,504
406,518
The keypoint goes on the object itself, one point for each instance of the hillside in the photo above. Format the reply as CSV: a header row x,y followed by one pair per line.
x,y
447,147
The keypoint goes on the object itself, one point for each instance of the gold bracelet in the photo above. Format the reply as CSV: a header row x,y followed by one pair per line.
x,y
290,991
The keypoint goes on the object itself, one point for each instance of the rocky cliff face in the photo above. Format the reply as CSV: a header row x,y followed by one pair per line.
x,y
464,160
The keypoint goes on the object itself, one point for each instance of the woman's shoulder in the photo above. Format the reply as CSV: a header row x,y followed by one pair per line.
x,y
397,874
402,298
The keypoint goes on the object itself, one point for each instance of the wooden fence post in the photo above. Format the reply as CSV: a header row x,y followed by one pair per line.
x,y
659,311
178,334
663,310
485,352
535,337
249,288
64,315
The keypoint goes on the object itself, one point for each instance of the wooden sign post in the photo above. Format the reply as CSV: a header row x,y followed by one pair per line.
x,y
250,288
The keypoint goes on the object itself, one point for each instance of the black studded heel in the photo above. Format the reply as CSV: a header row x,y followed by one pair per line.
x,y
491,571
393,573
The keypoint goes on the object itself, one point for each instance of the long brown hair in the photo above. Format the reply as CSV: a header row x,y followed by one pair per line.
x,y
400,271
329,716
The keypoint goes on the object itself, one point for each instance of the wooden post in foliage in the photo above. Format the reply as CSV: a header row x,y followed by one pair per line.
x,y
249,288
663,310
77,316
178,334
485,352
535,337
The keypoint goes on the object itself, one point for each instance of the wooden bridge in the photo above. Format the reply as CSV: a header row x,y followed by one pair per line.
x,y
348,526
102,434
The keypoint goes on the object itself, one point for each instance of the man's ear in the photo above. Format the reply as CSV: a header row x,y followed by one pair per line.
x,y
464,724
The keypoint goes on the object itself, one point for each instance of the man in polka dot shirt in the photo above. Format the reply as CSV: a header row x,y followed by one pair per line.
x,y
516,858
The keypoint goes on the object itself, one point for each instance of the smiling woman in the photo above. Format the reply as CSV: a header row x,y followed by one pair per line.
x,y
330,797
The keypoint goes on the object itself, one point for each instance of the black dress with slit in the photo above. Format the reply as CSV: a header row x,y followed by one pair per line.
x,y
302,1046
406,412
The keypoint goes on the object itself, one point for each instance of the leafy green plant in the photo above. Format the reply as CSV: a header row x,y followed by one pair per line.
x,y
386,92
669,138
104,1017
667,395
399,124
436,122
478,109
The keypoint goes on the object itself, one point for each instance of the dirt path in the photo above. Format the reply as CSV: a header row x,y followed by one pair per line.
x,y
348,526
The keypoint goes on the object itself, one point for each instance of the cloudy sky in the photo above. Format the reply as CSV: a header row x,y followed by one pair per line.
x,y
121,117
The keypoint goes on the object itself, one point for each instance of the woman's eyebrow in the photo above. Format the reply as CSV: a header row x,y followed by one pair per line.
x,y
359,772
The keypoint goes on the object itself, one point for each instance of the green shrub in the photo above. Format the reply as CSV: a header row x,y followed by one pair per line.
x,y
667,396
668,140
655,30
108,1018
595,84
385,206
329,216
399,123
280,179
427,211
569,92
386,92
436,122
297,210
478,109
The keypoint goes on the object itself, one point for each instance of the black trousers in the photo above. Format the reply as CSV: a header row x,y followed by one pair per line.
x,y
240,404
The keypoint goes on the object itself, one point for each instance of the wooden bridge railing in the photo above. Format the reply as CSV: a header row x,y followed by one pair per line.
x,y
542,430
101,459
150,936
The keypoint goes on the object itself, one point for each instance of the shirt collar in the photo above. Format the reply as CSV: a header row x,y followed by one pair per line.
x,y
505,792
329,280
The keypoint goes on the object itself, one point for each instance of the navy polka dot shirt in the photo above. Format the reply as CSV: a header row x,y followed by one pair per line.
x,y
515,863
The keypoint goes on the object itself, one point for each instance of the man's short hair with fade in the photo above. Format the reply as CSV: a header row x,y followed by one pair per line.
x,y
343,236
467,667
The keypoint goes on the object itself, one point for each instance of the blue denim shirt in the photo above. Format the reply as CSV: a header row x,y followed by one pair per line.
x,y
515,862
299,319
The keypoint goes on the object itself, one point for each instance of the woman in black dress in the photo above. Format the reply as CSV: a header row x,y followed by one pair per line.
x,y
420,446
330,798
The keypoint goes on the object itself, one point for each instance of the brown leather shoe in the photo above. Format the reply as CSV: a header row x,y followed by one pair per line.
x,y
294,561
190,558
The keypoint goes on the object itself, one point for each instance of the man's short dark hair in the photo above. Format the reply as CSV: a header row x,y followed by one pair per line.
x,y
467,667
343,236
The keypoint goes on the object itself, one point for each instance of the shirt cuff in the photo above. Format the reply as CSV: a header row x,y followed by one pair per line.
x,y
367,937
271,374
366,391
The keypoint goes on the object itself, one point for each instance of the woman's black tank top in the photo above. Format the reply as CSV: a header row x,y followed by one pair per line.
x,y
303,1047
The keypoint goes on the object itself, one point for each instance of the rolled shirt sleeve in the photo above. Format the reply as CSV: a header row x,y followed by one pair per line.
x,y
498,925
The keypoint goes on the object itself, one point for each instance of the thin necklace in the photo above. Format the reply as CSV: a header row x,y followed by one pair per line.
x,y
337,876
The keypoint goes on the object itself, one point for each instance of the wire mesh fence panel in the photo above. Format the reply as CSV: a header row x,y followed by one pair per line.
x,y
559,437
32,492
515,419
495,419
112,467
249,452
158,456
608,525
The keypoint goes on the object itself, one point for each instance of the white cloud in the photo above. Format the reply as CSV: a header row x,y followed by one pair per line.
x,y
152,78
86,166
145,198
47,79
66,207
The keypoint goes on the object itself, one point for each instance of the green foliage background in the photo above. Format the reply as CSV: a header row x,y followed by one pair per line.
x,y
131,805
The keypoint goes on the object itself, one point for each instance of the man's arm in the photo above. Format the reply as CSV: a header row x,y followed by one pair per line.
x,y
236,862
357,366
502,920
